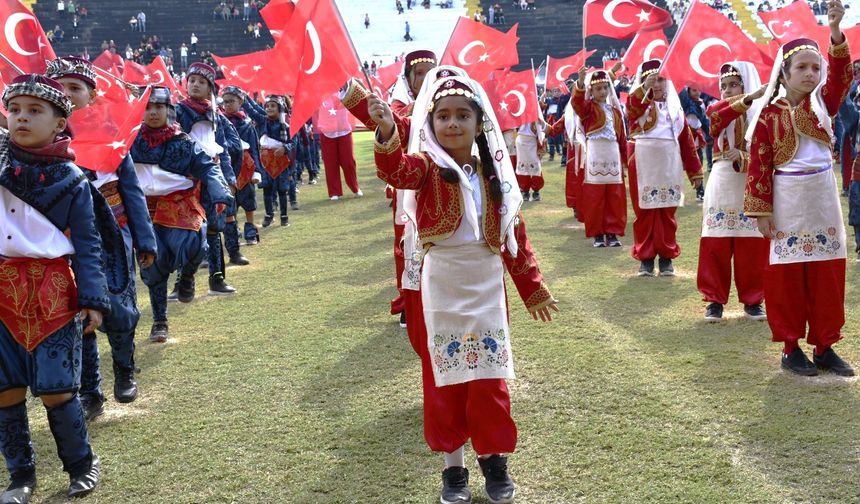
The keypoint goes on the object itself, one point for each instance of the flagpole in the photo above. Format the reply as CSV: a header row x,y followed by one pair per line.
x,y
13,65
352,46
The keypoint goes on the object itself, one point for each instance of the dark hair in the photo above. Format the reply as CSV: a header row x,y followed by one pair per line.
x,y
486,157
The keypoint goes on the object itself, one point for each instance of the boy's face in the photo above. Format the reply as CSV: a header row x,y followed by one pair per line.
x,y
198,87
232,103
272,110
695,93
33,122
805,71
78,91
156,115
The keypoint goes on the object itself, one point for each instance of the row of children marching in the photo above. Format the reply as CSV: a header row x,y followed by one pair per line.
x,y
74,237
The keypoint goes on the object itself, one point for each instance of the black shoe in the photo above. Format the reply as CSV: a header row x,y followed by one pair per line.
x,y
158,333
267,220
93,406
829,361
455,486
218,287
20,490
536,196
403,319
612,241
84,483
185,288
666,269
174,294
294,206
312,181
714,312
797,363
285,221
646,268
755,312
599,242
500,488
525,195
124,386
238,259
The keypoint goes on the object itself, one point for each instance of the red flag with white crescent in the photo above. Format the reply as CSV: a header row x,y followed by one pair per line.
x,y
793,21
253,71
276,14
706,40
513,97
389,74
111,62
558,69
479,49
621,19
24,42
645,46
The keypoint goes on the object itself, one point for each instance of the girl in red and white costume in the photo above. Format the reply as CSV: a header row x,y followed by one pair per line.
x,y
529,142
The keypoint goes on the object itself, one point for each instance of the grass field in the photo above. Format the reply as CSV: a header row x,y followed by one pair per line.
x,y
303,389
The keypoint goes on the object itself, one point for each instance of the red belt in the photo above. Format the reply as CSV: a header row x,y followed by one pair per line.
x,y
179,209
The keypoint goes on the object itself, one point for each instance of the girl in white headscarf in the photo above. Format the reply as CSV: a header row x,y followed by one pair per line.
x,y
727,233
791,189
467,211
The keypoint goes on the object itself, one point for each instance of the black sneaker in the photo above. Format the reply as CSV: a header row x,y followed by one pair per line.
x,y
158,333
666,269
124,386
84,483
499,486
646,268
755,312
536,196
218,287
797,363
403,319
294,206
238,259
525,195
455,486
285,221
829,361
93,406
267,220
612,241
714,312
174,294
599,242
185,289
20,490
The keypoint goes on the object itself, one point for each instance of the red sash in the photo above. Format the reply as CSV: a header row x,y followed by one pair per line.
x,y
179,209
274,165
247,170
37,298
111,193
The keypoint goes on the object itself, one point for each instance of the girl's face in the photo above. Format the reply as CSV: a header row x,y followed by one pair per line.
x,y
272,110
232,103
198,87
455,123
417,75
659,89
804,72
77,91
156,115
731,86
600,92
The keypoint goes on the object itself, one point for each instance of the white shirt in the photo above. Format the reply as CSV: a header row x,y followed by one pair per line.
x,y
810,156
194,39
104,178
465,233
157,182
183,51
203,133
608,130
663,128
25,232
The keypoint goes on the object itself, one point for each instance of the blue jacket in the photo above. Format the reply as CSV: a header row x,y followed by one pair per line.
x,y
248,133
697,109
225,135
273,129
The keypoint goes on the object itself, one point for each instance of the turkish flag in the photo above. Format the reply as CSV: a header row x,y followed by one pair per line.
x,y
621,19
514,97
479,49
389,74
276,14
322,57
104,131
155,74
108,60
706,40
558,69
376,85
254,71
645,46
794,21
24,42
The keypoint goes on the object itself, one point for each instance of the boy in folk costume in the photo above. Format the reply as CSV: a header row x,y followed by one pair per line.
x,y
277,154
791,189
121,189
604,201
659,151
198,116
172,169
51,279
530,142
728,235
463,336
246,167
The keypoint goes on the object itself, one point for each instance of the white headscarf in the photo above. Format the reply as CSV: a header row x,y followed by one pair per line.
x,y
751,82
423,140
673,103
772,94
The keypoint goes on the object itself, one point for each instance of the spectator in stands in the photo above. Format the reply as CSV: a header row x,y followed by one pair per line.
x,y
399,6
366,21
82,11
183,56
58,34
500,14
373,67
257,30
133,23
61,6
532,5
70,8
246,10
407,37
193,43
141,21
613,53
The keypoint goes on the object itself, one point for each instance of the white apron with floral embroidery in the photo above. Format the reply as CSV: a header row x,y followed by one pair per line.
x,y
807,216
723,211
602,161
659,173
528,162
463,291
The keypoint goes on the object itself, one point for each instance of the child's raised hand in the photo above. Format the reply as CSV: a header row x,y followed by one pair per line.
x,y
835,12
381,114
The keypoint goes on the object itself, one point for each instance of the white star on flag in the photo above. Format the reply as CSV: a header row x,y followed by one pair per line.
x,y
482,58
117,144
332,111
504,105
101,93
787,23
146,78
257,68
234,73
643,16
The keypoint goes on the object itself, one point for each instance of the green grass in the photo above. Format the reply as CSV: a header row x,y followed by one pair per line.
x,y
302,389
